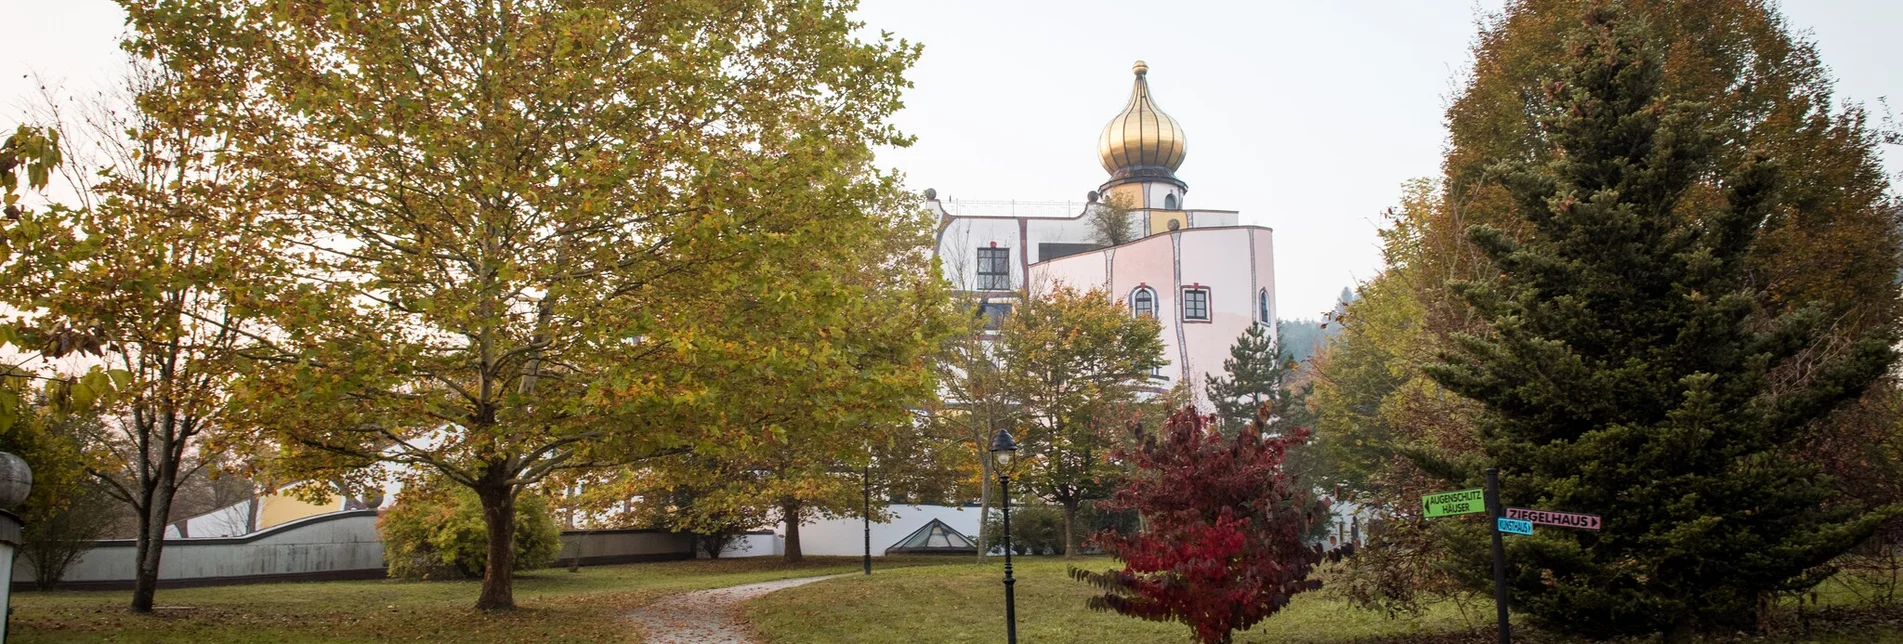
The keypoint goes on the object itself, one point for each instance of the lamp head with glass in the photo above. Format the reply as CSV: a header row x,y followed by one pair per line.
x,y
1003,448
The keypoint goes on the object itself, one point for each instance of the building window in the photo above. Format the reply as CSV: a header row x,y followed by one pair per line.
x,y
994,314
1047,251
994,269
1143,302
1196,304
1169,202
1262,306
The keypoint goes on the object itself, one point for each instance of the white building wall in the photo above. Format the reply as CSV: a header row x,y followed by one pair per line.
x,y
336,543
962,236
1263,245
1220,260
1214,218
1068,231
846,536
1235,264
766,544
229,521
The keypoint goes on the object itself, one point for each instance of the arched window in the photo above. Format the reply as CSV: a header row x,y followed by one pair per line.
x,y
1169,202
1143,302
1262,306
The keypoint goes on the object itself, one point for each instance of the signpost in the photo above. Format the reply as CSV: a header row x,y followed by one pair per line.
x,y
1499,556
1447,504
1505,521
1513,526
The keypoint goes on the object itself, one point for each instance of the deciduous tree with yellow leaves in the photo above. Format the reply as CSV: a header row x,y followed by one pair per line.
x,y
530,235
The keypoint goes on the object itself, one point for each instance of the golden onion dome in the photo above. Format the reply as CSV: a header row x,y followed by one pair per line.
x,y
1142,141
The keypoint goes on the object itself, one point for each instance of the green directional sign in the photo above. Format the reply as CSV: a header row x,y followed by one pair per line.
x,y
1447,504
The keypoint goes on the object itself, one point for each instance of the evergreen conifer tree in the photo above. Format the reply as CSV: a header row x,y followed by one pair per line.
x,y
1630,368
1257,371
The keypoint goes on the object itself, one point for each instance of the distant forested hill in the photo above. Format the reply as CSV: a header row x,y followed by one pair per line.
x,y
1304,337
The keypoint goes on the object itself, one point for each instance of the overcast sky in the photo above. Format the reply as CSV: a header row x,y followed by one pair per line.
x,y
1305,116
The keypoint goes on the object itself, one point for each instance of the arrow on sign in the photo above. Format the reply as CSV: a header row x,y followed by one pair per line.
x,y
1514,526
1555,519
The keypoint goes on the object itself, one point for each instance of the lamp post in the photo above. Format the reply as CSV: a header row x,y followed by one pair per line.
x,y
1002,449
16,481
868,516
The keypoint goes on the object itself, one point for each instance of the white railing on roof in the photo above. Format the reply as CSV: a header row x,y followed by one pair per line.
x,y
1012,208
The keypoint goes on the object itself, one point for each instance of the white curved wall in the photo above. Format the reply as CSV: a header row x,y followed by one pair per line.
x,y
337,545
1234,263
340,545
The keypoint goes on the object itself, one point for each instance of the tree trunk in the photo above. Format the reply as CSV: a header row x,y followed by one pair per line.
x,y
790,512
498,574
151,546
151,538
144,584
984,502
1070,524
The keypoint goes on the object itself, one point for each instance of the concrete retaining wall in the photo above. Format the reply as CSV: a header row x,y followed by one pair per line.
x,y
339,545
597,547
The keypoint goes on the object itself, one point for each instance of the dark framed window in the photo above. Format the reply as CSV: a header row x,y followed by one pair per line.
x,y
1196,304
1143,302
1048,251
1169,202
1262,306
994,269
994,314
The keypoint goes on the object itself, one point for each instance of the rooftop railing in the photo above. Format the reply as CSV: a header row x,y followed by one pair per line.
x,y
1011,208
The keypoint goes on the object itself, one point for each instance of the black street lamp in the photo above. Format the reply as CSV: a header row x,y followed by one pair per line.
x,y
1002,449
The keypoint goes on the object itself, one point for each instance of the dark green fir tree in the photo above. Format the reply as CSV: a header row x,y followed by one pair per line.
x,y
1258,371
1631,369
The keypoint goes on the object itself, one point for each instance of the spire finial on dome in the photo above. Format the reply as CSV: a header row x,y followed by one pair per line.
x,y
1142,142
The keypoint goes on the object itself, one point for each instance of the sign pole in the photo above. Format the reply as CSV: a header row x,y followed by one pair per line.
x,y
1495,511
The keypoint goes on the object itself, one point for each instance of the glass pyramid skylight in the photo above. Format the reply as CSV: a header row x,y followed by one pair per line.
x,y
934,538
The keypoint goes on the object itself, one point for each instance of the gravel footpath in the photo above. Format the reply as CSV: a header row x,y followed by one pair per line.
x,y
708,616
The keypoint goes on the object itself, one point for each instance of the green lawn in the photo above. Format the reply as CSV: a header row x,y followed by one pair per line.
x,y
908,599
963,602
554,606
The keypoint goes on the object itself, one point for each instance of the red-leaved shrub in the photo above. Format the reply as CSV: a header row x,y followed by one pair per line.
x,y
1223,545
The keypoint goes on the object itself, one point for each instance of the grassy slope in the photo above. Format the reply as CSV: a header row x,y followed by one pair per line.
x,y
554,606
964,603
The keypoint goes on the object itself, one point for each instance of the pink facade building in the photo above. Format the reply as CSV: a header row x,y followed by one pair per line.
x,y
1204,276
